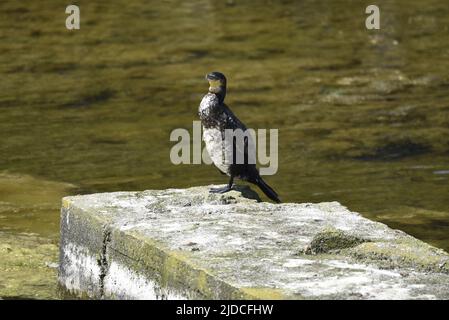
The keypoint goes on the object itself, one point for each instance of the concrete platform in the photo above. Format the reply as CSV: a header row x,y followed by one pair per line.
x,y
190,244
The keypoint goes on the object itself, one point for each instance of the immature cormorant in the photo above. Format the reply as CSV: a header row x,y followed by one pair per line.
x,y
216,117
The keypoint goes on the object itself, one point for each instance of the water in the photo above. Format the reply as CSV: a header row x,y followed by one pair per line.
x,y
363,116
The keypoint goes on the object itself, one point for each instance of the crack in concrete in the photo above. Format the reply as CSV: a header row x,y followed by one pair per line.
x,y
103,260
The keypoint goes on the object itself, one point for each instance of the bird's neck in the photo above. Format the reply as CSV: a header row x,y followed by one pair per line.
x,y
220,92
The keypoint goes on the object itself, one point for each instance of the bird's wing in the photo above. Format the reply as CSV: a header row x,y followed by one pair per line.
x,y
232,122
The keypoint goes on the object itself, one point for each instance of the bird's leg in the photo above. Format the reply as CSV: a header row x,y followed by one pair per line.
x,y
224,189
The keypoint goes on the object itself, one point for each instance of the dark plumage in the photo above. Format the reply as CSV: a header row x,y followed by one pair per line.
x,y
216,117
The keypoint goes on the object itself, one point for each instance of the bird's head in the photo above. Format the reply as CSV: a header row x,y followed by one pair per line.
x,y
217,82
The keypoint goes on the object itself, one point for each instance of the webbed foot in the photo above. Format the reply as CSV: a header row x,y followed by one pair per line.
x,y
221,190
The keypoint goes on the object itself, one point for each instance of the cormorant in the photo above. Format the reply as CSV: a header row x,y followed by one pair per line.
x,y
216,117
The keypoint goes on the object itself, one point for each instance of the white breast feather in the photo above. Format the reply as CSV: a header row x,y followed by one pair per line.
x,y
207,102
217,148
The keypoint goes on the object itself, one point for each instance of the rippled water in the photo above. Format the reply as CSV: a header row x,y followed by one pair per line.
x,y
363,116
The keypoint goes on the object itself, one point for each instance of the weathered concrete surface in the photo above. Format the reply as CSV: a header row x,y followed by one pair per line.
x,y
192,244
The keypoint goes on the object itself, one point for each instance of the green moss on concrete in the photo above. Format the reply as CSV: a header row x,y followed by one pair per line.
x,y
172,270
406,253
331,239
264,293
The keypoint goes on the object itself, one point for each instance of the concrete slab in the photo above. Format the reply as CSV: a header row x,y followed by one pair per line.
x,y
190,244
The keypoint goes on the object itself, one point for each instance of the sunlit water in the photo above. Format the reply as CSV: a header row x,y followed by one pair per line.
x,y
363,116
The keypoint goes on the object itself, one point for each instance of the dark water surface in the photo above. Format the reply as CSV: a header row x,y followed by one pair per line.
x,y
363,116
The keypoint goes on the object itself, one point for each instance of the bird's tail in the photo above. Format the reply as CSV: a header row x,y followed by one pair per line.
x,y
269,192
